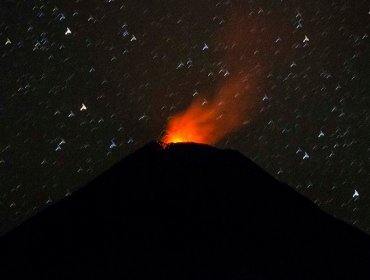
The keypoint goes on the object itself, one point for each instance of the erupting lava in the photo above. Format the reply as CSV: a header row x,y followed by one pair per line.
x,y
207,123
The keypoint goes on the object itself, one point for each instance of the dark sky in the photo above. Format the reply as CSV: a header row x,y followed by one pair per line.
x,y
85,83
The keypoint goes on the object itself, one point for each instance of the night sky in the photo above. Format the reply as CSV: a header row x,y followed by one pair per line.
x,y
85,83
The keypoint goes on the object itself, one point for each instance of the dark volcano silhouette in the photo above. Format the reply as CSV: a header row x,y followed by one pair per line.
x,y
188,211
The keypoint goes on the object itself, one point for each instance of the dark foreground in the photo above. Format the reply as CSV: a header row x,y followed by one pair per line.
x,y
185,212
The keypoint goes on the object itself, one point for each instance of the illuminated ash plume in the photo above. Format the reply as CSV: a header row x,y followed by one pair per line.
x,y
250,50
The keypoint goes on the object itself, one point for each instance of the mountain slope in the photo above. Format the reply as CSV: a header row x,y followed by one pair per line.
x,y
188,211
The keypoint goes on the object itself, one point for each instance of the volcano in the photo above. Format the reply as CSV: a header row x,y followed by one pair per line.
x,y
186,211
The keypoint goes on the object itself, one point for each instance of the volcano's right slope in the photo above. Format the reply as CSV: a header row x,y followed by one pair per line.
x,y
185,212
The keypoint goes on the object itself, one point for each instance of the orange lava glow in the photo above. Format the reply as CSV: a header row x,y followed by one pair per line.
x,y
208,122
